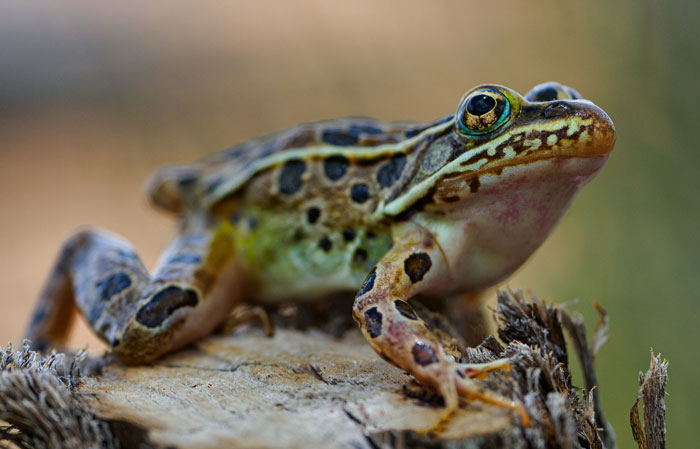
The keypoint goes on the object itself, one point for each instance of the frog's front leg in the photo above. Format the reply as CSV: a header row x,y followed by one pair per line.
x,y
141,316
394,330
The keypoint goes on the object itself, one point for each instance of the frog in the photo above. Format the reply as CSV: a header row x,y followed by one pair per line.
x,y
383,210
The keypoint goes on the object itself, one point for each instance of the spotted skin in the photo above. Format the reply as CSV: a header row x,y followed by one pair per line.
x,y
388,210
373,322
290,176
335,167
416,265
164,303
405,309
417,350
359,192
424,354
142,316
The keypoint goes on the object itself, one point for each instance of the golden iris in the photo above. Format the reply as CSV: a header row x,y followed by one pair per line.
x,y
483,111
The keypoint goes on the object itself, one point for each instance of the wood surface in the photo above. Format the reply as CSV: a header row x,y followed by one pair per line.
x,y
307,387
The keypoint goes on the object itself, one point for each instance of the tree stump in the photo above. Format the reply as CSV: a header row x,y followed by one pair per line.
x,y
307,388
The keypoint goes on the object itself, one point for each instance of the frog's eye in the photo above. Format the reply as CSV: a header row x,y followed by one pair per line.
x,y
483,111
552,91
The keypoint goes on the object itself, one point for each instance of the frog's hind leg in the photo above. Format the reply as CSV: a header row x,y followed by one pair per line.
x,y
396,332
141,316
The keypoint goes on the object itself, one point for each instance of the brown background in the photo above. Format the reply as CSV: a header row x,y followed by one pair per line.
x,y
93,97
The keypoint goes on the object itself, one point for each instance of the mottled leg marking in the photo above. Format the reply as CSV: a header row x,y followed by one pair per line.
x,y
397,333
139,315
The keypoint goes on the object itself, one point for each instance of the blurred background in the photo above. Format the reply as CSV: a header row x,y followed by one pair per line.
x,y
94,96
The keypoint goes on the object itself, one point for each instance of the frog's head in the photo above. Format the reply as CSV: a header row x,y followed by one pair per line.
x,y
496,130
506,169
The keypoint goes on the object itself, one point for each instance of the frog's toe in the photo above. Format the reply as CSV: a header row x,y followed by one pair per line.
x,y
442,379
453,380
470,390
481,370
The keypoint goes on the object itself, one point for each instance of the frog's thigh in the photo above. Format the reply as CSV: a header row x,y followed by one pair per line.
x,y
391,325
139,315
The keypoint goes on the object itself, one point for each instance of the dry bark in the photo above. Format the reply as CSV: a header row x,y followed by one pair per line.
x,y
307,388
652,389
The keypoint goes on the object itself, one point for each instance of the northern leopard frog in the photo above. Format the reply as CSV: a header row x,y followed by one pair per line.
x,y
387,210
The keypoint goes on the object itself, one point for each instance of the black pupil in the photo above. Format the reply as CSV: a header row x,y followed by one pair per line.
x,y
481,104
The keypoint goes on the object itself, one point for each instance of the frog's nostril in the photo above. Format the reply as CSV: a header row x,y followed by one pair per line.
x,y
558,109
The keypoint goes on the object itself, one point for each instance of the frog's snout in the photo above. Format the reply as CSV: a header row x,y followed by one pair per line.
x,y
587,124
591,128
597,125
604,132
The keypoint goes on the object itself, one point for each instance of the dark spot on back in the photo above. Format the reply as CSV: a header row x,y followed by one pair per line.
x,y
360,256
416,265
390,172
312,214
164,303
348,235
373,322
359,193
405,309
290,176
185,258
339,137
369,283
371,235
423,354
325,244
335,167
